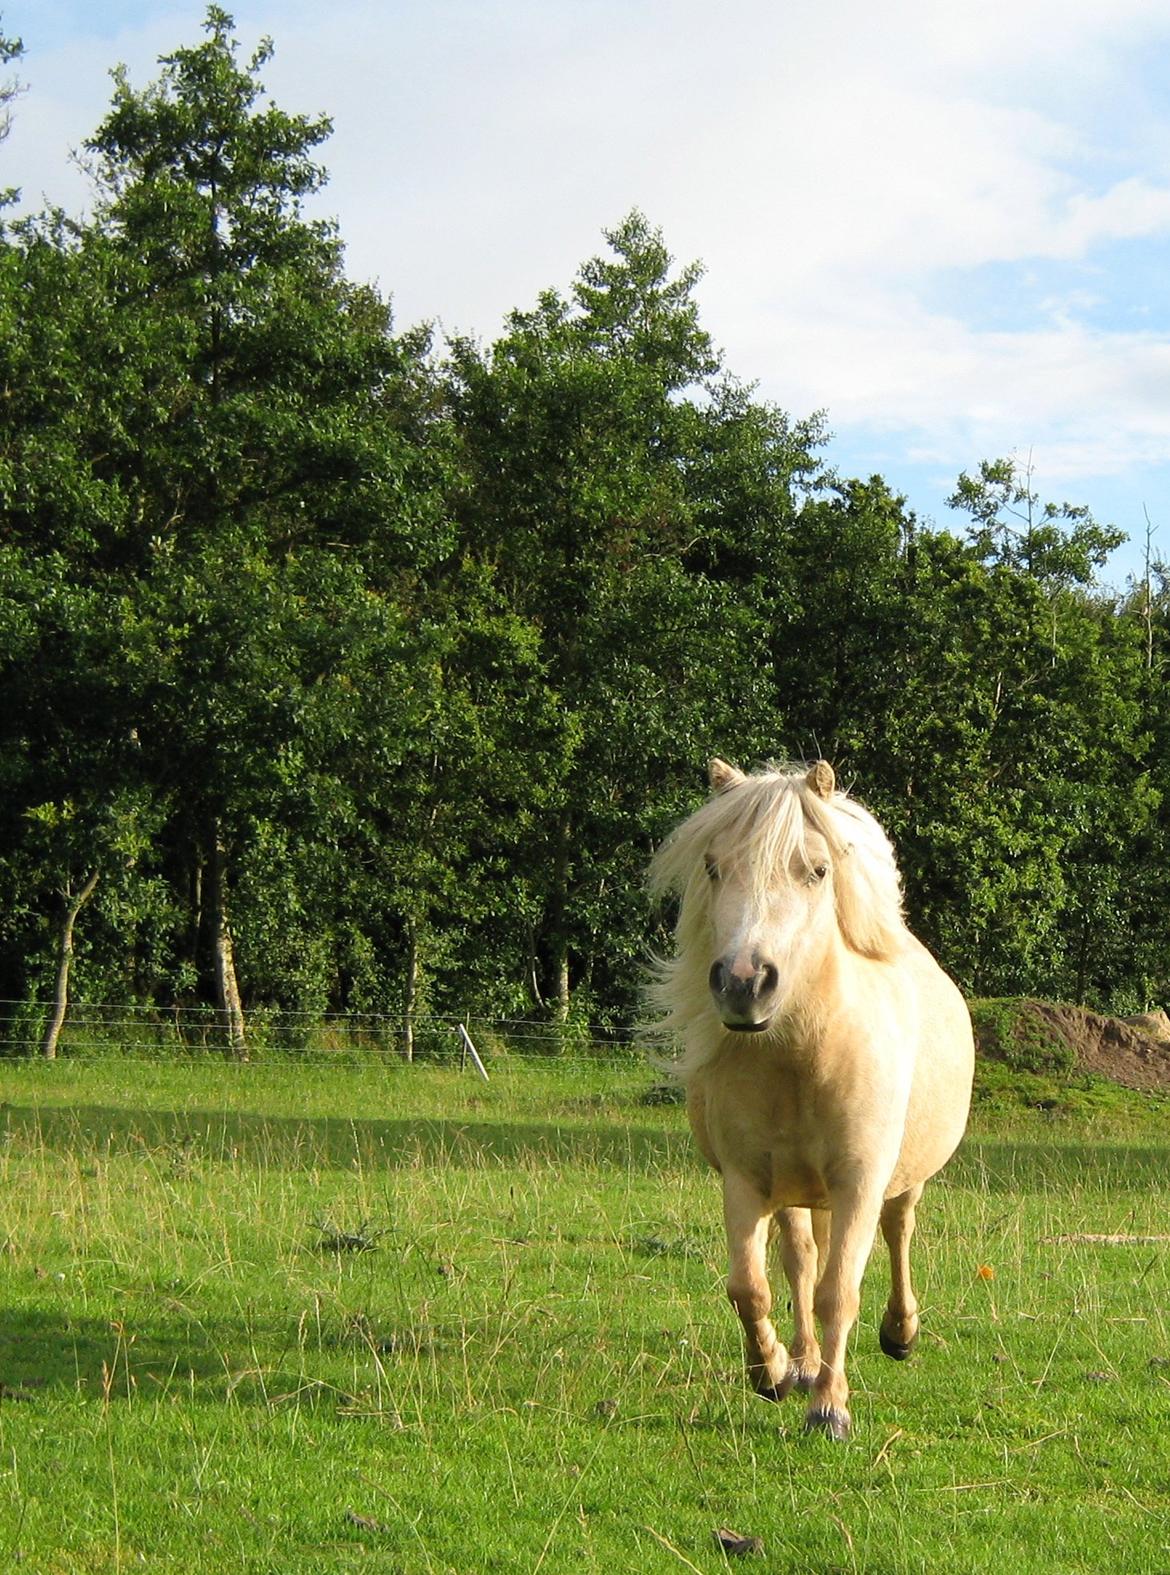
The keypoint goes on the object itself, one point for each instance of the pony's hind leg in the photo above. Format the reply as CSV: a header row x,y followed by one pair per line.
x,y
799,1253
899,1329
747,1217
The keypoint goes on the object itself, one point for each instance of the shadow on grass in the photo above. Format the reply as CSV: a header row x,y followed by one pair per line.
x,y
151,1355
333,1143
995,1165
176,1137
40,1348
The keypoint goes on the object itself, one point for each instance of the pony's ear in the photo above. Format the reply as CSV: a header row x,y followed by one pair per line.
x,y
821,779
722,776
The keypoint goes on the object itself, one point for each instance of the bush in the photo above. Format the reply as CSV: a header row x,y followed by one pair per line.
x,y
1013,1032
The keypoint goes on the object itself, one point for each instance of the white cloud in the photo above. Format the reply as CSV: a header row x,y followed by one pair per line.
x,y
1127,210
837,164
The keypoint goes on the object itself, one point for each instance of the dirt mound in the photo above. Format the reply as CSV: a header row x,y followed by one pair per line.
x,y
1156,1024
1127,1052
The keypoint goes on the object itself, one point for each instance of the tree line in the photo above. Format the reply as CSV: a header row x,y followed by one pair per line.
x,y
344,669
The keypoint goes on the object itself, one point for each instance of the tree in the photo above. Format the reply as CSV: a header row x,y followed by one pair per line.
x,y
608,471
10,49
1059,544
834,612
221,454
336,674
1011,768
77,806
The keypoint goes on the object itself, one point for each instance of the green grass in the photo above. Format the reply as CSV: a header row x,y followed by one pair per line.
x,y
535,1367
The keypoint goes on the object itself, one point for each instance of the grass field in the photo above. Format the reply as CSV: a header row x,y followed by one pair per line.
x,y
533,1367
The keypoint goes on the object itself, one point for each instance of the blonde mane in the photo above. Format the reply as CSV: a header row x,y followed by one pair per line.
x,y
765,819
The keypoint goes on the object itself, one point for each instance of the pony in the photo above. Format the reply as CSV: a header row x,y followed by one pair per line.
x,y
826,1057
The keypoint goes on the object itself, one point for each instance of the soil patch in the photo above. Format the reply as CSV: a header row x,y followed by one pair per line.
x,y
1134,1052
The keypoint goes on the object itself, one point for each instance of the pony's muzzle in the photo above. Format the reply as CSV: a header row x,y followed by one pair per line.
x,y
744,992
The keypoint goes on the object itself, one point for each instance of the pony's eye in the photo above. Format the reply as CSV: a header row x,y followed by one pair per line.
x,y
712,868
817,874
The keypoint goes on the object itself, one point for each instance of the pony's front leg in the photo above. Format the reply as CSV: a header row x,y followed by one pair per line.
x,y
803,1239
837,1300
899,1327
746,1216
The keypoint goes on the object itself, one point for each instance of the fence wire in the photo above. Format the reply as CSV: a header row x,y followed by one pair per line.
x,y
126,1030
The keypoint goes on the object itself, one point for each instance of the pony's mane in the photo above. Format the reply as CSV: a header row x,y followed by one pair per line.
x,y
764,819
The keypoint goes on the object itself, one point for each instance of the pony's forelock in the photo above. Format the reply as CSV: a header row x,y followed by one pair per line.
x,y
764,821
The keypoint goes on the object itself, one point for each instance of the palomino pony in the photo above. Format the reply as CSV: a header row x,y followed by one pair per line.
x,y
827,1059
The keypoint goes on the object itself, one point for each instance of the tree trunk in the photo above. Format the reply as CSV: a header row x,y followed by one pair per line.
x,y
560,911
227,986
1082,963
534,970
196,923
561,1008
410,992
73,906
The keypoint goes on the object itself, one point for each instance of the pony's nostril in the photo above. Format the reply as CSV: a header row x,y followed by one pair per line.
x,y
739,987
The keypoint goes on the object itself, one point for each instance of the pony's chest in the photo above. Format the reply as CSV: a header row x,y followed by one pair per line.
x,y
781,1132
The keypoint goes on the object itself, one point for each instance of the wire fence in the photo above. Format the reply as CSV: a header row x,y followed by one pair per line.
x,y
186,1032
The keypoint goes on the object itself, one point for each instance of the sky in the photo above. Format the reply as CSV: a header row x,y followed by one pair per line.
x,y
945,224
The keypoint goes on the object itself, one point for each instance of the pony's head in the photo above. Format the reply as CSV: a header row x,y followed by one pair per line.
x,y
775,867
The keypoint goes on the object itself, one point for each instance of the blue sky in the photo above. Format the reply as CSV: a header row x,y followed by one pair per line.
x,y
947,225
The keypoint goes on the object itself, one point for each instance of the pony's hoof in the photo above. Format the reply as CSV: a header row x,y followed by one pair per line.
x,y
898,1349
767,1390
833,1422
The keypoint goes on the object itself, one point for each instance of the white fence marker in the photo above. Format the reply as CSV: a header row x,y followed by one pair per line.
x,y
470,1050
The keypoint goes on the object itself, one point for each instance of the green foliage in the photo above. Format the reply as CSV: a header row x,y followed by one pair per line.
x,y
392,661
603,469
1007,1031
1056,543
10,49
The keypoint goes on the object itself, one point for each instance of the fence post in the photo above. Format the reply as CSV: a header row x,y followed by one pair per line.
x,y
470,1050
